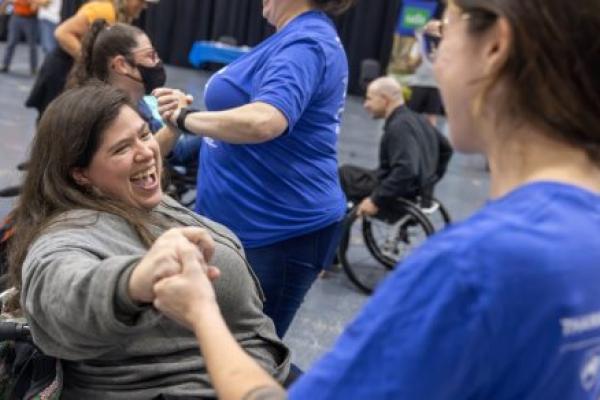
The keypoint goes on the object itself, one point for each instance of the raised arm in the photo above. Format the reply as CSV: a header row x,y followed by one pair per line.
x,y
252,123
83,299
284,90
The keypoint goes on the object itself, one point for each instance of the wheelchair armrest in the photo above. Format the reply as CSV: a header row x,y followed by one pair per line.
x,y
17,331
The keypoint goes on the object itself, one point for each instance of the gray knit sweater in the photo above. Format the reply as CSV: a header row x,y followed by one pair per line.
x,y
75,297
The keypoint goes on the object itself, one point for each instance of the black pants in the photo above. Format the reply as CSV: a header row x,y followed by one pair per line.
x,y
357,182
51,80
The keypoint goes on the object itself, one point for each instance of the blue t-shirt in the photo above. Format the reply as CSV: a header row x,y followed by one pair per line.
x,y
503,306
288,186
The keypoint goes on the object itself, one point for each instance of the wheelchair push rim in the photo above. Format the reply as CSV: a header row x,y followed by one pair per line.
x,y
386,243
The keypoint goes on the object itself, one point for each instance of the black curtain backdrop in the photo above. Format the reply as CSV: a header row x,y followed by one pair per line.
x,y
174,25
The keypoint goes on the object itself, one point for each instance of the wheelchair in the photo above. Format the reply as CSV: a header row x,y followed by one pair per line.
x,y
25,372
372,247
181,184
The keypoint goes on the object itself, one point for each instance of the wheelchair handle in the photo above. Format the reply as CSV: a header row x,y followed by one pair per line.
x,y
14,331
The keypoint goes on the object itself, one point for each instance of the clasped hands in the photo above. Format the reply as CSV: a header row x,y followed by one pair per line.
x,y
170,102
175,275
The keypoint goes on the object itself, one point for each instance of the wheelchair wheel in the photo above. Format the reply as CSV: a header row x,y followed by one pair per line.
x,y
372,247
437,214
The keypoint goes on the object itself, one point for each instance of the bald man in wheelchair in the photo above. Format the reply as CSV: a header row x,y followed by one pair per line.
x,y
413,154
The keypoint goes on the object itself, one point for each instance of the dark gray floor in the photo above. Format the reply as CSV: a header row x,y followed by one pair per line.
x,y
332,302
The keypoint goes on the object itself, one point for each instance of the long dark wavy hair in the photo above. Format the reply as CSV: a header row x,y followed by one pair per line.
x,y
68,136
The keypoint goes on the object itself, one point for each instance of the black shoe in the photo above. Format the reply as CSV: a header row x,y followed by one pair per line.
x,y
4,69
23,166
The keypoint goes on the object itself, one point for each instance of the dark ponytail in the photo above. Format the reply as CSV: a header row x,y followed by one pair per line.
x,y
99,45
82,70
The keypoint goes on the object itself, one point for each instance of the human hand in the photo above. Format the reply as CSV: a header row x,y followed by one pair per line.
x,y
169,101
165,259
184,296
433,27
367,208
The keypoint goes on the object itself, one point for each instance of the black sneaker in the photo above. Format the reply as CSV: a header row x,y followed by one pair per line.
x,y
4,69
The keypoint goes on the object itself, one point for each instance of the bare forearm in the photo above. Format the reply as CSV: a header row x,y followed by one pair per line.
x,y
252,123
227,362
166,137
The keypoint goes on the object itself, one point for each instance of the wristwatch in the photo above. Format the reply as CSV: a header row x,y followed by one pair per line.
x,y
183,113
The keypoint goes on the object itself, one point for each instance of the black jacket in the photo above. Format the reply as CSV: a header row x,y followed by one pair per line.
x,y
413,155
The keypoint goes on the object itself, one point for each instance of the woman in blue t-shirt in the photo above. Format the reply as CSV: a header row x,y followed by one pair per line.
x,y
504,305
268,167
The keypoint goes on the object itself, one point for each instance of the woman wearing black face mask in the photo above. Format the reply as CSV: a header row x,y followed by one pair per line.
x,y
123,56
151,77
53,73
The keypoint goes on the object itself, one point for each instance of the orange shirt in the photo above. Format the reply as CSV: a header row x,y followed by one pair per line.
x,y
23,8
99,10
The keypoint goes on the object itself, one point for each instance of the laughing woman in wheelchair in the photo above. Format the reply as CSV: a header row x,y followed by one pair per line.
x,y
413,156
93,232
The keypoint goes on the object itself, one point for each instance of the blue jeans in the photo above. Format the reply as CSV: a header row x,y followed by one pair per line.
x,y
47,39
286,270
28,27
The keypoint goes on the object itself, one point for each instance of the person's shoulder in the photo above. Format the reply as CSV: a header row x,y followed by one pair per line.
x,y
77,228
316,23
74,218
83,222
300,41
404,120
525,227
398,123
94,10
404,115
489,231
311,29
98,5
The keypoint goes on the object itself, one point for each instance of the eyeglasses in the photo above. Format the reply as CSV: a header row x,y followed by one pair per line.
x,y
432,34
150,53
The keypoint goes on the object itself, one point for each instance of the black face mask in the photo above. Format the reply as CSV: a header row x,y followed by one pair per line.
x,y
152,77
